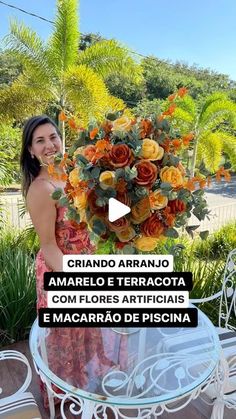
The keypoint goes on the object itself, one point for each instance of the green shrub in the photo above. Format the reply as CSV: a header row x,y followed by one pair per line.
x,y
17,294
219,244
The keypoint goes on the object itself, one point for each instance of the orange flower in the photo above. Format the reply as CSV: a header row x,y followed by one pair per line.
x,y
176,205
93,133
169,217
172,175
121,185
189,184
153,227
62,116
208,181
170,110
202,183
182,91
94,208
140,211
146,128
126,235
103,145
120,155
124,198
64,177
146,244
176,143
107,126
172,97
157,200
147,173
72,123
166,145
51,169
119,225
187,138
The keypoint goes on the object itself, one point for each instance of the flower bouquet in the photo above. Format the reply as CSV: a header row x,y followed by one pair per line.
x,y
140,163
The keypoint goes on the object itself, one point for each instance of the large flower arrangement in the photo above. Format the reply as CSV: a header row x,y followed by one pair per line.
x,y
138,162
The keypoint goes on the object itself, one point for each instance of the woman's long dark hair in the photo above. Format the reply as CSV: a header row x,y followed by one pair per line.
x,y
30,167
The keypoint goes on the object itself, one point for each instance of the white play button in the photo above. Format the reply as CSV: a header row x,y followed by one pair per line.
x,y
116,209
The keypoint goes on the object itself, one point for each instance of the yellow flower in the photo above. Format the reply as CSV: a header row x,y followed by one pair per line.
x,y
122,124
151,150
146,244
172,175
80,201
74,177
126,235
140,211
157,200
107,179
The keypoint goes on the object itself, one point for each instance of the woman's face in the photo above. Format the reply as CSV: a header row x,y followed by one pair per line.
x,y
45,143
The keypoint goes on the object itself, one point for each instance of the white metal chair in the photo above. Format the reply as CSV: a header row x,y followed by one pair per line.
x,y
223,390
20,405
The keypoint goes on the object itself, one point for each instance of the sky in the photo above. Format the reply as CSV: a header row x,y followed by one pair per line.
x,y
201,32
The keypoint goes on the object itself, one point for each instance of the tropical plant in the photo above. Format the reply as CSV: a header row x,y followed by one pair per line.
x,y
57,72
209,121
9,153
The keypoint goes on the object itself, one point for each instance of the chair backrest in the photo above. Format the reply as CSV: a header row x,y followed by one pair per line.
x,y
18,356
227,294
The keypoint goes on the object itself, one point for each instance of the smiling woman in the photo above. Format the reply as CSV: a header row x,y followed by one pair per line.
x,y
58,235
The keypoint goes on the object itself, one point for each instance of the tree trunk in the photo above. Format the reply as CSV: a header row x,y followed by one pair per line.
x,y
194,156
62,126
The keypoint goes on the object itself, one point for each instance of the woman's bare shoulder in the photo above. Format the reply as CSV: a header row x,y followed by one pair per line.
x,y
40,189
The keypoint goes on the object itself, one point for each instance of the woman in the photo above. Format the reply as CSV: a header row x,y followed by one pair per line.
x,y
75,355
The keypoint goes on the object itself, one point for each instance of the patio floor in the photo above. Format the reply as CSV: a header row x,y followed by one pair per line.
x,y
11,376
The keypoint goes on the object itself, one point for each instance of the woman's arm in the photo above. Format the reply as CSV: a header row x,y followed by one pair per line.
x,y
43,214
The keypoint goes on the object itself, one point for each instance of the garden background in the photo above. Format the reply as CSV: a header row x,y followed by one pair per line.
x,y
86,75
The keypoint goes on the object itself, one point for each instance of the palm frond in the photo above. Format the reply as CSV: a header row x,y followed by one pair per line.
x,y
217,107
183,120
86,91
229,146
187,104
108,57
210,150
215,97
64,43
19,101
27,46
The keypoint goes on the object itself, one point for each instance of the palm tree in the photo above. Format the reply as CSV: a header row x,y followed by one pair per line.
x,y
57,72
212,122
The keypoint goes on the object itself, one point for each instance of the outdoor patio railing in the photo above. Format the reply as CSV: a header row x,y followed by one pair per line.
x,y
10,206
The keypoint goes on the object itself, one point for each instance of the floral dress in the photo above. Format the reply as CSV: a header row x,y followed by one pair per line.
x,y
76,355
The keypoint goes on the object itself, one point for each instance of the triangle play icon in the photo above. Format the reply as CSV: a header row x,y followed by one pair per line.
x,y
116,209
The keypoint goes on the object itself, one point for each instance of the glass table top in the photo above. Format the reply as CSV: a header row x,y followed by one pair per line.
x,y
150,365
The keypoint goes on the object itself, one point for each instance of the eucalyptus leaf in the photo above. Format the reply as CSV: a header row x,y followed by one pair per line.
x,y
57,193
171,232
204,234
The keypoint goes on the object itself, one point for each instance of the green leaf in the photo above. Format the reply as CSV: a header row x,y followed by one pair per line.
x,y
130,173
171,232
63,202
72,214
57,193
204,234
101,202
82,159
190,229
166,186
128,250
95,172
98,227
